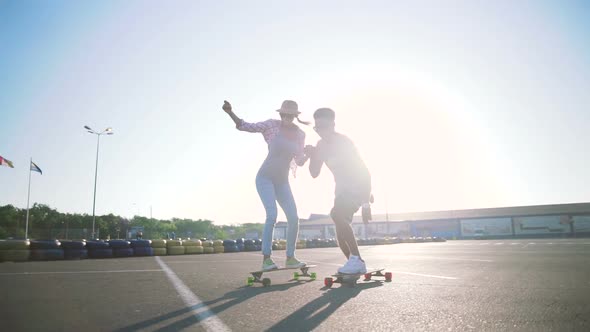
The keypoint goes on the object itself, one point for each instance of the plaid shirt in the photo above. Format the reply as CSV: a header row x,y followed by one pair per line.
x,y
269,130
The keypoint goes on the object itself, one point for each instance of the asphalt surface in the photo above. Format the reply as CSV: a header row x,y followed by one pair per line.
x,y
516,285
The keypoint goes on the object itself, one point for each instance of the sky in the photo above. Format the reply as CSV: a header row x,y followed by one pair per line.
x,y
452,104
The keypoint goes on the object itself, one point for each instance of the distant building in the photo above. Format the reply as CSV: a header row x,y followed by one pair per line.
x,y
503,222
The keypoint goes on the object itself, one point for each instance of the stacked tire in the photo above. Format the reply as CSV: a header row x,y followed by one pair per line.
x,y
159,247
208,247
249,245
46,250
14,250
257,245
142,248
218,247
74,249
121,248
193,247
231,246
240,244
279,245
301,244
99,249
174,247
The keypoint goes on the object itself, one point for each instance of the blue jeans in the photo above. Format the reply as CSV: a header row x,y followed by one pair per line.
x,y
270,193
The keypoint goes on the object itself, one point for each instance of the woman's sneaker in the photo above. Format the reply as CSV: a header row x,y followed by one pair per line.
x,y
354,266
294,263
268,265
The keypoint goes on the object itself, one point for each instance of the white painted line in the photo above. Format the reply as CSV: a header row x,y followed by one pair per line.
x,y
499,243
402,256
425,275
216,261
528,244
483,244
550,243
514,244
206,318
76,272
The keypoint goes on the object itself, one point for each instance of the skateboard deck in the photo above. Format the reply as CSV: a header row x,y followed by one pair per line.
x,y
257,275
351,279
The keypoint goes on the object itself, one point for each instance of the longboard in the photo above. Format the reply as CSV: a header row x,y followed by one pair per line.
x,y
257,275
351,279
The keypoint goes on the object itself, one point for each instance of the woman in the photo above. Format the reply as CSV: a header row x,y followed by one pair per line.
x,y
285,143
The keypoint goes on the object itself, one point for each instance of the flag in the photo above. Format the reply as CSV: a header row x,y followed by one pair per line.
x,y
35,168
6,162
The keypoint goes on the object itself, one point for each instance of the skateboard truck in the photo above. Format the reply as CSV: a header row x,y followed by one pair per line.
x,y
352,278
257,276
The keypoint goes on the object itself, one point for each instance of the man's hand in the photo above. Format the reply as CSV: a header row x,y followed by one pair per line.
x,y
309,150
226,106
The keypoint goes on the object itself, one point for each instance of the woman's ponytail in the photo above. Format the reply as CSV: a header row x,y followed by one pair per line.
x,y
307,123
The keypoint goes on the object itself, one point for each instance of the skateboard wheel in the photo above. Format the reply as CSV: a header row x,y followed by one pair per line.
x,y
266,282
367,276
250,281
296,275
388,276
313,276
328,282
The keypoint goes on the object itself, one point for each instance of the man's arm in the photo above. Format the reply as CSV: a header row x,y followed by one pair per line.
x,y
315,160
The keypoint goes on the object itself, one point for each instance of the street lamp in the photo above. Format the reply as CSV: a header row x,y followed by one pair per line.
x,y
108,131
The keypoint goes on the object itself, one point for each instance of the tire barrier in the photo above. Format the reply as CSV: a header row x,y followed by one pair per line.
x,y
173,243
230,246
192,243
45,244
93,245
100,253
189,250
143,251
119,244
176,250
47,254
123,252
233,248
15,255
71,245
227,243
160,251
159,244
42,250
75,253
140,243
14,244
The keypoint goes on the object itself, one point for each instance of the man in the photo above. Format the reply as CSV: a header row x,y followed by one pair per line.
x,y
353,183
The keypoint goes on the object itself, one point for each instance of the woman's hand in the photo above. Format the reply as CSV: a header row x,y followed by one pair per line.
x,y
226,106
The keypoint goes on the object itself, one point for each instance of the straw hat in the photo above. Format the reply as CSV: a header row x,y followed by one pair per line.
x,y
289,107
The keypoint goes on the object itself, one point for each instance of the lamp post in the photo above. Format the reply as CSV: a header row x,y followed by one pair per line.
x,y
107,131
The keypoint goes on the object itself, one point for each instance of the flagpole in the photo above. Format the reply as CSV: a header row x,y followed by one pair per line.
x,y
28,198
